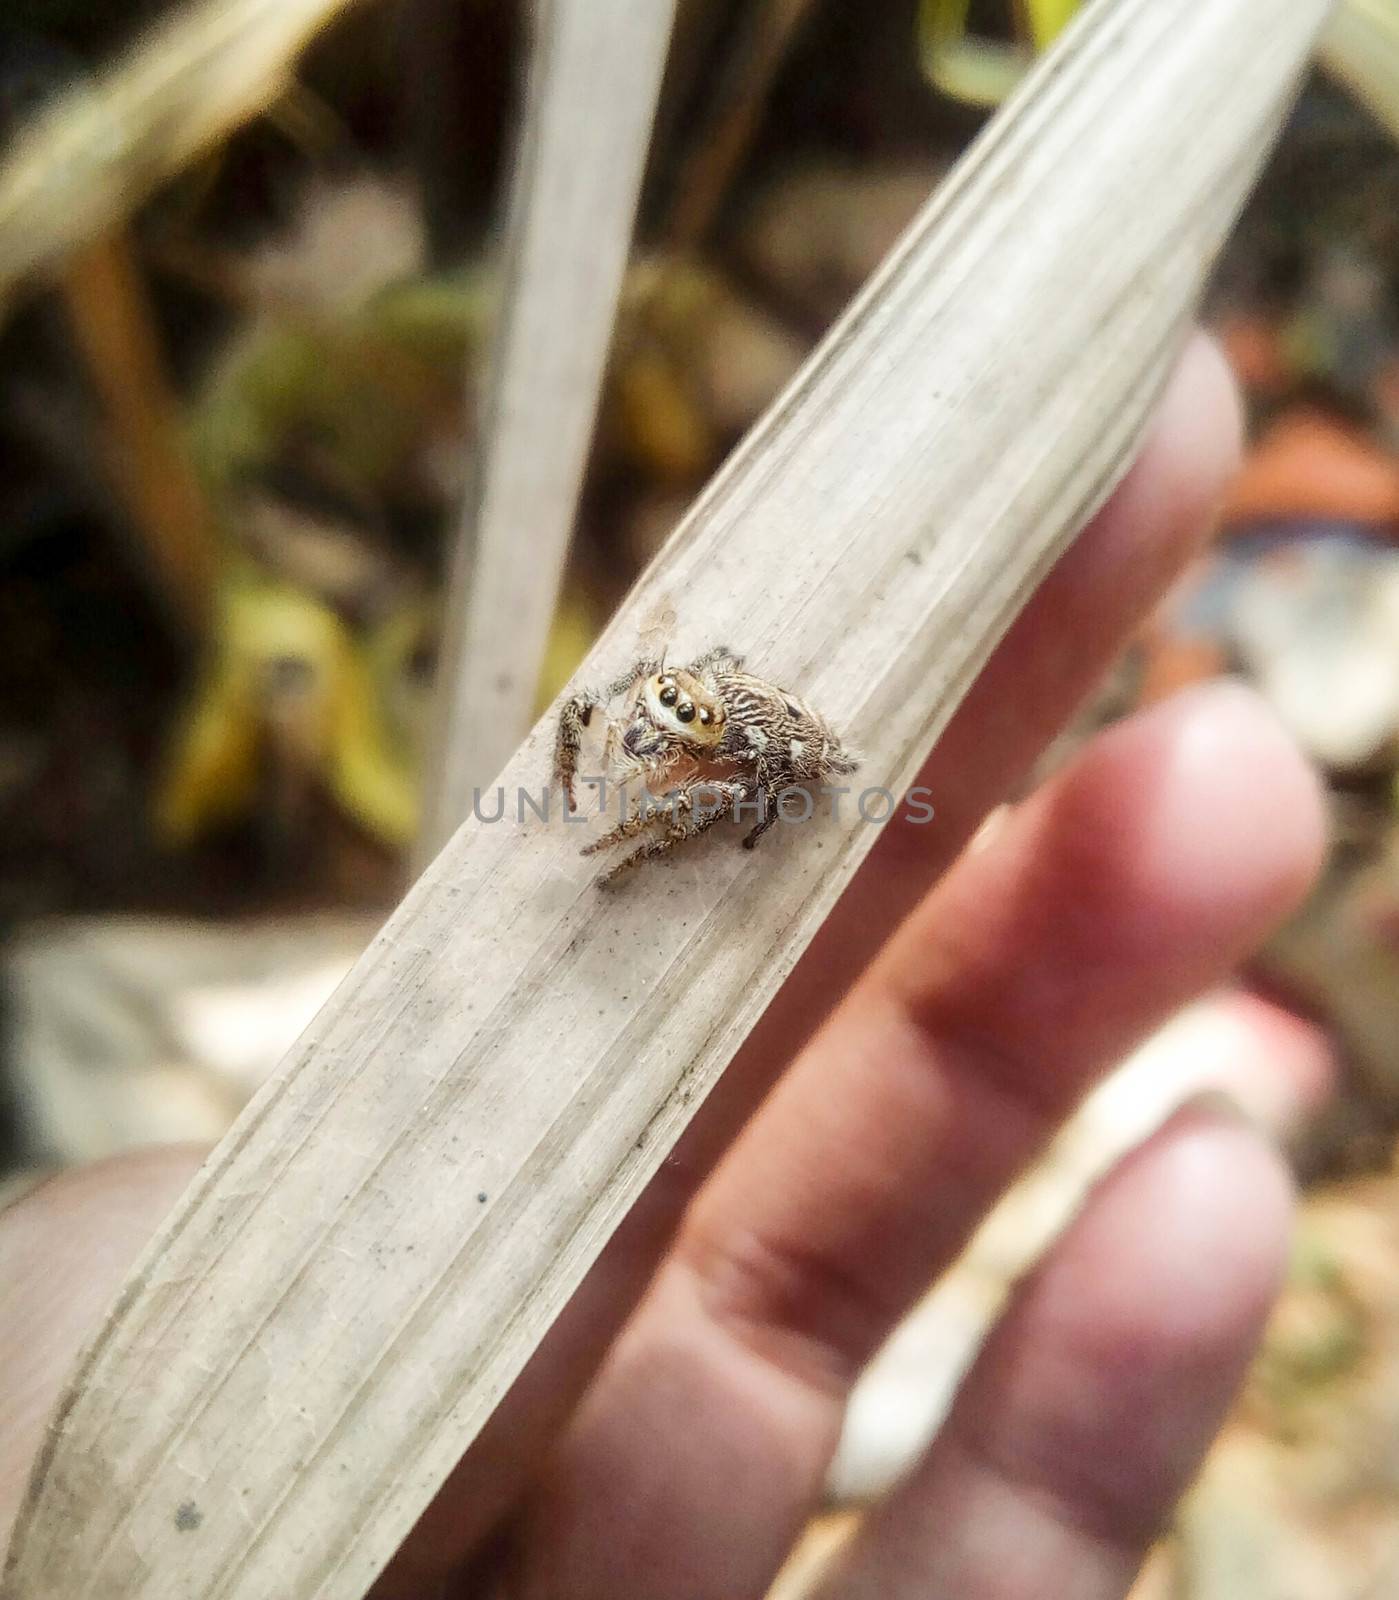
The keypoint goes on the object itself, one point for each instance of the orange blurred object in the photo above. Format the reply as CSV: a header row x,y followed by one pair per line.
x,y
1171,662
1307,464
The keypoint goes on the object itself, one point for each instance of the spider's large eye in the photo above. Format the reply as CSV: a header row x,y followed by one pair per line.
x,y
686,713
669,695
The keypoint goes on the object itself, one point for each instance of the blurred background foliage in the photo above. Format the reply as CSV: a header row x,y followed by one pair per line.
x,y
237,425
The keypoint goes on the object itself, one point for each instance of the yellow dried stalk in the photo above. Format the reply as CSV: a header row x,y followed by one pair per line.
x,y
769,32
372,1254
94,156
149,460
595,74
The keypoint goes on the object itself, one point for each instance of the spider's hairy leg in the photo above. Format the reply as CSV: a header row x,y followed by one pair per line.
x,y
647,667
769,802
685,825
628,828
772,783
677,805
574,716
576,713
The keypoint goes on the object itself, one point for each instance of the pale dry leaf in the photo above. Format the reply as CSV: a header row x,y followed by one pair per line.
x,y
594,79
101,149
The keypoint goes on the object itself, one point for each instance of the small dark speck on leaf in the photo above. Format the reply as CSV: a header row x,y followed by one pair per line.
x,y
482,1197
188,1516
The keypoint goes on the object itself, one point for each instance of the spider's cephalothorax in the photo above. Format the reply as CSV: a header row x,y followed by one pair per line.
x,y
709,737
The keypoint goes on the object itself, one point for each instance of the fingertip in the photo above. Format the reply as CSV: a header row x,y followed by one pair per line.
x,y
1196,825
1207,388
1186,1241
1120,1356
1240,813
1195,445
1279,1067
1284,1067
1094,1401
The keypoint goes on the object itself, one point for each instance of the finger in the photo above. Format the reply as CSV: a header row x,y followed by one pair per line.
x,y
1131,882
1058,648
54,1300
65,1248
1093,1404
1053,656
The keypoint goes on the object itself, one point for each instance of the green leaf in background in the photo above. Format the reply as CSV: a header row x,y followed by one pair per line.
x,y
330,724
982,72
1047,19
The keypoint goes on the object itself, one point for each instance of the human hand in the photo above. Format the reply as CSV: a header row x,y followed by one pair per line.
x,y
946,1020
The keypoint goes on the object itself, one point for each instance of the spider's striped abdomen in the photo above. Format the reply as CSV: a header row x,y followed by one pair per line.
x,y
776,730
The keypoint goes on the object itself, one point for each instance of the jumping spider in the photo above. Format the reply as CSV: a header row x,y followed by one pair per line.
x,y
715,736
